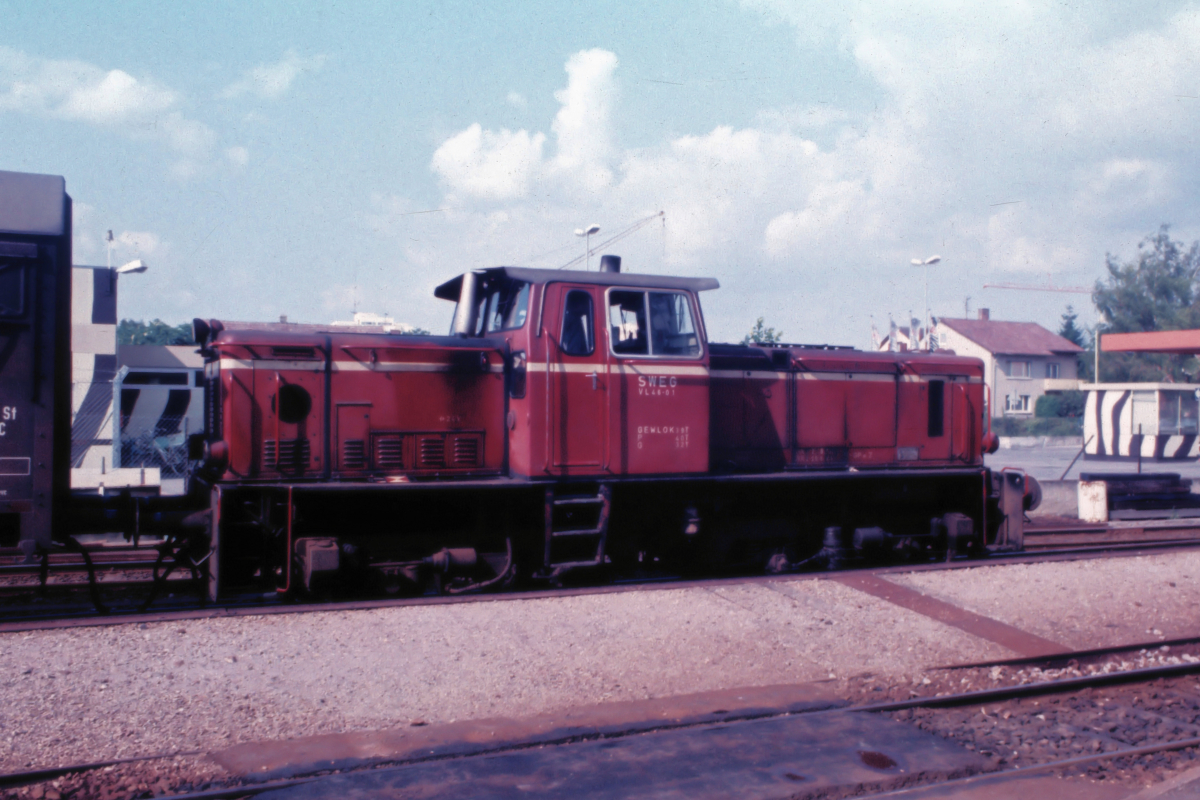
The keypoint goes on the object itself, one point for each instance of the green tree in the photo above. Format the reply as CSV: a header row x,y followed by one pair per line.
x,y
1154,292
1069,330
761,334
131,331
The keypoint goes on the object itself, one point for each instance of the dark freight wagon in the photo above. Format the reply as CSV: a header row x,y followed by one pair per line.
x,y
35,358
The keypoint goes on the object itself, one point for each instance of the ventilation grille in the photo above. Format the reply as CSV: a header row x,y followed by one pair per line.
x,y
290,455
389,452
354,454
466,451
398,451
432,452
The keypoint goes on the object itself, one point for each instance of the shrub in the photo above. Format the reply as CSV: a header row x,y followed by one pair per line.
x,y
1066,404
1038,426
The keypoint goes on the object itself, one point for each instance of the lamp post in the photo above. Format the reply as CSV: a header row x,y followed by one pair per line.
x,y
135,267
587,246
916,262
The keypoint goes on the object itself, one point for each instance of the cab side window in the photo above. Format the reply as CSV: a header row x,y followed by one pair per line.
x,y
671,330
627,322
577,338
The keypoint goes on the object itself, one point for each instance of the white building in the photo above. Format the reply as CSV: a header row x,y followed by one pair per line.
x,y
1022,360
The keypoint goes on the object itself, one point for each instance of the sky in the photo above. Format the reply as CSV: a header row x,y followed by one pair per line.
x,y
310,159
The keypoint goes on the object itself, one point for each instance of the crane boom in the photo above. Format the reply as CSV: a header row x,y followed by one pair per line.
x,y
1048,288
641,223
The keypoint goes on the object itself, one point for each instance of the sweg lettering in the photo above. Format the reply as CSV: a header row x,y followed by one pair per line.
x,y
657,385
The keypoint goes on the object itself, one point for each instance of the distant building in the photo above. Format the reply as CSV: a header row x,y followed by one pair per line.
x,y
363,322
380,322
93,364
1022,360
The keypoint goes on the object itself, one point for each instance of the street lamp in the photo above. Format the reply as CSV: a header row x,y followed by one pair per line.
x,y
916,262
137,265
587,246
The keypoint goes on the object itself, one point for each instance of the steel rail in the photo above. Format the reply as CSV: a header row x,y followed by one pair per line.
x,y
258,606
1157,644
35,775
1035,689
1050,766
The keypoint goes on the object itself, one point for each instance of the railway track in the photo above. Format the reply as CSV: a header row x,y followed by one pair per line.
x,y
1113,724
124,591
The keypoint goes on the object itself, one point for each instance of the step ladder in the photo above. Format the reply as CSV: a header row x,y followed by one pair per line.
x,y
564,531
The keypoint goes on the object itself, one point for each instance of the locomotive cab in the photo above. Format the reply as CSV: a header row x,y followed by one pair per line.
x,y
607,371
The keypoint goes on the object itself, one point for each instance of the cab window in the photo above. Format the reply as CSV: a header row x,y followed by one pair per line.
x,y
671,330
627,322
503,306
652,323
577,338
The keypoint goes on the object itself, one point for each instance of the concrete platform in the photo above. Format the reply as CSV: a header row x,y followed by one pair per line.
x,y
769,758
261,761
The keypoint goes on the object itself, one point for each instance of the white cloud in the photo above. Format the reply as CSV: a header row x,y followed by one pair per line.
x,y
582,125
238,156
516,100
1024,138
76,91
503,165
269,81
489,164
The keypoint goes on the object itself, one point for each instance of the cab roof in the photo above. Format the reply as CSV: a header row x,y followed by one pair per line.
x,y
451,289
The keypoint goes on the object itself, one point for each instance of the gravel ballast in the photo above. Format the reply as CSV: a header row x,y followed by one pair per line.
x,y
1090,603
89,694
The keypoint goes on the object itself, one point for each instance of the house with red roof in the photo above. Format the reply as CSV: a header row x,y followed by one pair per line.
x,y
1022,360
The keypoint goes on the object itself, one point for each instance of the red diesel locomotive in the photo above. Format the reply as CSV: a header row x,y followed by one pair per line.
x,y
577,420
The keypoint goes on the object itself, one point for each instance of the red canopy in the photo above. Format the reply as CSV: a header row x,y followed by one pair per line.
x,y
1183,342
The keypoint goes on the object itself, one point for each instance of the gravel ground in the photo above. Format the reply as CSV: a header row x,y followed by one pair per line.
x,y
1034,730
1089,603
90,694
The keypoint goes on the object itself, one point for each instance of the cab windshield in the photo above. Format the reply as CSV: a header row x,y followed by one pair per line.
x,y
503,305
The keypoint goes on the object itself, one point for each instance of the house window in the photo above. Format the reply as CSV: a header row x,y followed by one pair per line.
x,y
1016,403
1018,369
1052,371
